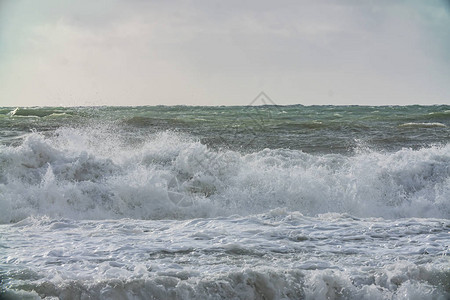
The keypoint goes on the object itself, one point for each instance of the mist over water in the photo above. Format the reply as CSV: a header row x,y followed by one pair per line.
x,y
264,202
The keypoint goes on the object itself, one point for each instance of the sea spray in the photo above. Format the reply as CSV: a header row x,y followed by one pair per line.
x,y
315,202
93,179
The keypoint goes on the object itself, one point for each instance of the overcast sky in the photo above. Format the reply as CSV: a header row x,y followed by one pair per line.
x,y
117,52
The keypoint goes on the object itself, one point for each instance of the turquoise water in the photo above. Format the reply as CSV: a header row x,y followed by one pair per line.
x,y
312,129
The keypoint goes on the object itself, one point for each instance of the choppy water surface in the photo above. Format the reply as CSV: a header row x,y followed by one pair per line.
x,y
267,202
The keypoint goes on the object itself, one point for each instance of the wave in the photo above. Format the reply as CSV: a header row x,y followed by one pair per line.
x,y
95,174
433,124
444,114
401,280
13,112
36,112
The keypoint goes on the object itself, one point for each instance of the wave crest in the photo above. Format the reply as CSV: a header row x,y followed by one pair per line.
x,y
94,175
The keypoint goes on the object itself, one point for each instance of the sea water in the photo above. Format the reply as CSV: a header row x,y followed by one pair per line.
x,y
251,202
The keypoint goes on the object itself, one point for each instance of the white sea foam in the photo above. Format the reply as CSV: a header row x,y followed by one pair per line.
x,y
276,255
13,112
94,174
423,124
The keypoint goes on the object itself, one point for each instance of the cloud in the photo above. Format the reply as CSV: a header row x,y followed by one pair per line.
x,y
214,53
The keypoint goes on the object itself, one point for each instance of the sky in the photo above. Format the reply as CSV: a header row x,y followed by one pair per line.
x,y
136,52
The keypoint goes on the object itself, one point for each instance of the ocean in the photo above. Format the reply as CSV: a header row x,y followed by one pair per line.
x,y
246,202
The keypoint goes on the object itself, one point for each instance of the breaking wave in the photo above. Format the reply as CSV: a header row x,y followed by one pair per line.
x,y
429,124
94,174
399,281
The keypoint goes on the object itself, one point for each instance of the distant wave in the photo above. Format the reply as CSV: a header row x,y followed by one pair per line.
x,y
34,112
433,124
13,112
92,174
445,113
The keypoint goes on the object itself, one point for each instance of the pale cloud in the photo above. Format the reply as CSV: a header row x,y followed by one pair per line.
x,y
224,53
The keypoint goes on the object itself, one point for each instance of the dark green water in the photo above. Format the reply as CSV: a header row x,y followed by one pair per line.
x,y
312,129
